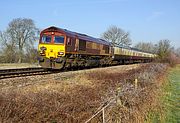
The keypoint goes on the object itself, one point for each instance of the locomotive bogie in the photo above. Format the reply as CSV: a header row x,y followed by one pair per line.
x,y
53,63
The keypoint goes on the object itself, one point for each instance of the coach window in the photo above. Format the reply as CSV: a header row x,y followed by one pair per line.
x,y
46,39
59,39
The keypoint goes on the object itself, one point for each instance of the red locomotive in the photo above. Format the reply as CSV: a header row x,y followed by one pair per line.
x,y
59,48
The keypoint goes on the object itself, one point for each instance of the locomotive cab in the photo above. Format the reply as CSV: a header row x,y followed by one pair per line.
x,y
52,49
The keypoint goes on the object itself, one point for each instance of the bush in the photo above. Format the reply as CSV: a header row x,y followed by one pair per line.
x,y
172,59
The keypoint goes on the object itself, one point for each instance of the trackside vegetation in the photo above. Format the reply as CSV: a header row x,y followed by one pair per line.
x,y
77,96
172,100
170,107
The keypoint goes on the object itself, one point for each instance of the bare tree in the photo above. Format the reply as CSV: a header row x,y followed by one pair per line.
x,y
164,49
31,55
117,36
22,32
149,47
8,48
177,52
0,47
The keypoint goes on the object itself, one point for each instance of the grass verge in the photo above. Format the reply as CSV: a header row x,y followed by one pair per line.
x,y
170,107
172,98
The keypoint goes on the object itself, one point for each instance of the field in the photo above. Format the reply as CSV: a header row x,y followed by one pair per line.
x,y
75,96
172,99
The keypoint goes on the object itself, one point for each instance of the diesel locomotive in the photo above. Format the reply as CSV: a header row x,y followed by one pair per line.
x,y
60,48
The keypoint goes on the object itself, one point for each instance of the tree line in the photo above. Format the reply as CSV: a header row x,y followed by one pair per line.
x,y
17,42
165,51
163,48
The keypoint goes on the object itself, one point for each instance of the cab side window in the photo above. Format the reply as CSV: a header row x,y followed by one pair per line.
x,y
69,41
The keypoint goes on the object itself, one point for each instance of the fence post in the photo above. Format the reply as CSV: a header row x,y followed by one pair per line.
x,y
103,115
136,81
118,101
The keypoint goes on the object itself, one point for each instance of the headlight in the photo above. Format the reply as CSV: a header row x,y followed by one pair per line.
x,y
60,53
42,53
43,48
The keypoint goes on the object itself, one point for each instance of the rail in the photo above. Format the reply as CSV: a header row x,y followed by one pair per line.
x,y
10,73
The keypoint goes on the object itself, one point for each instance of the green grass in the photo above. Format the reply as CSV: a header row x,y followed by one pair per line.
x,y
172,98
170,101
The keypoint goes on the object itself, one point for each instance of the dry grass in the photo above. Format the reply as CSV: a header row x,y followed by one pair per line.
x,y
76,97
17,65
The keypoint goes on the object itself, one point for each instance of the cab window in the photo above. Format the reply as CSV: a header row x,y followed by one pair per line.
x,y
59,39
46,39
69,41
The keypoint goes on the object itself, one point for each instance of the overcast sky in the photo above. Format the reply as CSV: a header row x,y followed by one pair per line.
x,y
146,20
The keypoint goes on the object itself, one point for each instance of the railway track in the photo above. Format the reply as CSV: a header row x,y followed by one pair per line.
x,y
20,72
10,73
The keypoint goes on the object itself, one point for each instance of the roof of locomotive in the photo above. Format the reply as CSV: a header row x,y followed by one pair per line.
x,y
75,34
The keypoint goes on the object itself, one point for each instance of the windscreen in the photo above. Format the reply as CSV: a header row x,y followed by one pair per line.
x,y
59,39
46,39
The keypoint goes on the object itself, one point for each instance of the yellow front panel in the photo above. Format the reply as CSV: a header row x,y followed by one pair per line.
x,y
52,50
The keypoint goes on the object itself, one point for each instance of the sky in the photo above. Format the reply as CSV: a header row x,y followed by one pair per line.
x,y
145,20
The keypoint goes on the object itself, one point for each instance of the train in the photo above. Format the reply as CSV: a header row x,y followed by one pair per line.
x,y
60,48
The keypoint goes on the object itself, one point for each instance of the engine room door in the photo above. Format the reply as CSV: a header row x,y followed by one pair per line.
x,y
70,44
82,45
